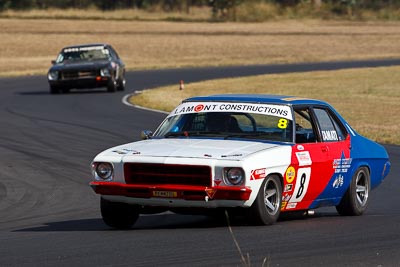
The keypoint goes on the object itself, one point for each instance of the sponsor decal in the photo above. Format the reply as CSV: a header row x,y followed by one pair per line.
x,y
338,182
342,165
291,206
330,135
126,151
233,155
77,49
283,205
304,158
290,174
198,108
120,152
288,188
274,110
300,147
258,174
286,197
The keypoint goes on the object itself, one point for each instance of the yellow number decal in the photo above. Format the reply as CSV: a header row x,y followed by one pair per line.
x,y
282,124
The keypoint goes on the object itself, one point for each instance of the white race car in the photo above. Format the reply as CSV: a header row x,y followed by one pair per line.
x,y
256,155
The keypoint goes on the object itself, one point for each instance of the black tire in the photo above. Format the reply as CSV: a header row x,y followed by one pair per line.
x,y
355,200
267,206
54,90
112,85
121,83
118,215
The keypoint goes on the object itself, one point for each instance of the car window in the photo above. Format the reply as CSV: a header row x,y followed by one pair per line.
x,y
83,53
227,125
330,130
305,132
339,129
113,53
238,120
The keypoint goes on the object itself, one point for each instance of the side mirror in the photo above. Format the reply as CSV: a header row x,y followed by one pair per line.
x,y
146,134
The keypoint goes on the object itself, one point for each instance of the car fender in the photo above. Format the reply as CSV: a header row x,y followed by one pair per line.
x,y
263,164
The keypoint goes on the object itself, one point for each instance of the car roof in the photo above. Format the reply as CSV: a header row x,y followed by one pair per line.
x,y
258,98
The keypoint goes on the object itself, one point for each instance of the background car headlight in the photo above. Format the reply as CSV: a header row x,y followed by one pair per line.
x,y
105,72
53,75
234,176
104,170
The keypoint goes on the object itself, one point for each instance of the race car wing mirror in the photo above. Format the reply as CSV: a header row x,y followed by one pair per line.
x,y
146,134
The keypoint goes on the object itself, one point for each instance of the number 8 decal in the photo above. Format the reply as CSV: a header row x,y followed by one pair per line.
x,y
282,124
302,181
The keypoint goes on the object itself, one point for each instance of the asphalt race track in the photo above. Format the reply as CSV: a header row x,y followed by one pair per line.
x,y
49,216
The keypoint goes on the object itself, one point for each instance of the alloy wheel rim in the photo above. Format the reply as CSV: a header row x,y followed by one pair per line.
x,y
271,197
362,189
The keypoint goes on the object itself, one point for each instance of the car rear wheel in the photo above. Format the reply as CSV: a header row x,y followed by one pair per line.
x,y
118,215
267,206
355,200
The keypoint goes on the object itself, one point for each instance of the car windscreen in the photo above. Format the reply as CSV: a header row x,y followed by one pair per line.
x,y
229,121
83,54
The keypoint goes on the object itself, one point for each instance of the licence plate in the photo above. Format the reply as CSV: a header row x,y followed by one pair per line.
x,y
165,194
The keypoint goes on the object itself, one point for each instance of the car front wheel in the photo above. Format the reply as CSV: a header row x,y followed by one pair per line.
x,y
54,90
267,206
122,83
112,85
118,215
355,200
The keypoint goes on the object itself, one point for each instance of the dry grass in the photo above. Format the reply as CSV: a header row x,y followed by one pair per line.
x,y
28,45
195,14
367,98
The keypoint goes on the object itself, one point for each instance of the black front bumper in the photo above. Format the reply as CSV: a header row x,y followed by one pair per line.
x,y
81,83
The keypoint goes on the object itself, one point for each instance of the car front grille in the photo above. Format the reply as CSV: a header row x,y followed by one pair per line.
x,y
68,75
167,174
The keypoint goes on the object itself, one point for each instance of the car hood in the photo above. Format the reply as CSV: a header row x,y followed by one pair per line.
x,y
80,65
188,148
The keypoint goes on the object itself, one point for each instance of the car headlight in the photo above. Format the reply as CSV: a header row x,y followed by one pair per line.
x,y
103,170
53,75
105,72
234,176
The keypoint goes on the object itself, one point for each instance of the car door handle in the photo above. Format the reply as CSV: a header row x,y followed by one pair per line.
x,y
325,149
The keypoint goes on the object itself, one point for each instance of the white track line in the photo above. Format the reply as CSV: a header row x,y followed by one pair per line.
x,y
126,102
